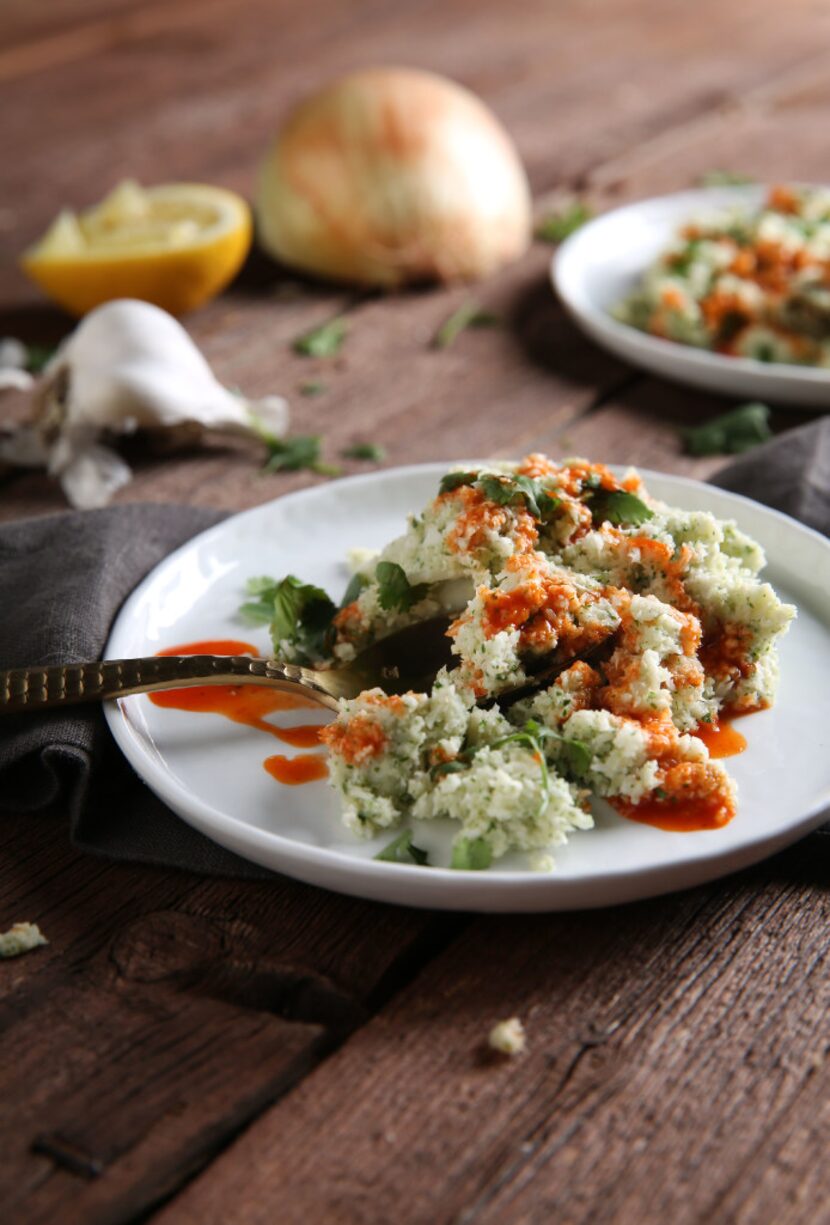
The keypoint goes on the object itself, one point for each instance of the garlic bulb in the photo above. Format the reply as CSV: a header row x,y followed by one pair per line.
x,y
127,366
393,175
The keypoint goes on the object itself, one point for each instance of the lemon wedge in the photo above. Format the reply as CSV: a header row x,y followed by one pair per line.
x,y
176,245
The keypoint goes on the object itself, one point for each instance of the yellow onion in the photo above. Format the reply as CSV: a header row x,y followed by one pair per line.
x,y
393,175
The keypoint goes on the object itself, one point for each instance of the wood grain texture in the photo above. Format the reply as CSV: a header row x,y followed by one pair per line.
x,y
674,1047
164,1014
677,1064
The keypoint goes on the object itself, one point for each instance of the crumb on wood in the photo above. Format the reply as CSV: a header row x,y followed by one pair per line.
x,y
21,938
508,1037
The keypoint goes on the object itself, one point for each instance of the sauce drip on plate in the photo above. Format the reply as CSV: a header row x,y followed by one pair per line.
x,y
721,739
248,704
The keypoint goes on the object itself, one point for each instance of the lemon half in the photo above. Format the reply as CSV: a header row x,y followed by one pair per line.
x,y
176,245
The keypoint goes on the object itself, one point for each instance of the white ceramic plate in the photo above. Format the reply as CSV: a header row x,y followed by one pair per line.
x,y
603,261
209,770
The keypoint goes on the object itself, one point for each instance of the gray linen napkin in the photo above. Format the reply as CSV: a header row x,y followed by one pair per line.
x,y
62,580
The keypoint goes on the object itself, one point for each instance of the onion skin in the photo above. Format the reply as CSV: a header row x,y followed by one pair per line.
x,y
391,176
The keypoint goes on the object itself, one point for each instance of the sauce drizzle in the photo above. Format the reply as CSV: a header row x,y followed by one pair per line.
x,y
721,739
248,704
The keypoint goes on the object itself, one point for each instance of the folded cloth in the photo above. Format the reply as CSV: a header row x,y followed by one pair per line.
x,y
790,473
64,577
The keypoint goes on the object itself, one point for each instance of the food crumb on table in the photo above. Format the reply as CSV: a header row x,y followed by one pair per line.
x,y
508,1037
21,938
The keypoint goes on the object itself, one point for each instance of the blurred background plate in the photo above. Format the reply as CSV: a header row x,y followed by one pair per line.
x,y
601,263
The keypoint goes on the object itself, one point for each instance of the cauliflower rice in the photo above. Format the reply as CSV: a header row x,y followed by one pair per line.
x,y
657,620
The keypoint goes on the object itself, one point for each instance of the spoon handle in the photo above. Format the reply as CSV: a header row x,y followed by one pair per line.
x,y
24,689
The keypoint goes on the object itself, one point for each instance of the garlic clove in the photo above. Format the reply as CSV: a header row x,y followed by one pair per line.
x,y
91,477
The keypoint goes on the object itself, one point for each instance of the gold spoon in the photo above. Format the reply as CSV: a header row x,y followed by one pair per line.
x,y
407,659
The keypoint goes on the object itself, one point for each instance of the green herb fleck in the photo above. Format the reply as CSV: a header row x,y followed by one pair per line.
x,y
372,451
296,612
395,589
556,227
454,480
37,356
471,854
323,341
733,432
468,315
507,490
724,178
356,584
312,388
403,850
294,454
618,507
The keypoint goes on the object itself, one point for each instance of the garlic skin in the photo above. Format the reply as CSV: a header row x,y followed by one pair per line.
x,y
391,176
127,366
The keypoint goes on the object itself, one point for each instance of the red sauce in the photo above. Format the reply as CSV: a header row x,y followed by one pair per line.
x,y
248,704
307,768
721,739
680,816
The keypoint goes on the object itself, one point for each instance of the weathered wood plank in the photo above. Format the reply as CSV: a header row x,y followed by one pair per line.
x,y
670,1043
164,1014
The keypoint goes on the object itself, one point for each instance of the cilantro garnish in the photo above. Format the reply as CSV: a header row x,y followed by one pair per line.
x,y
733,432
724,178
365,450
294,454
295,612
323,341
356,584
618,507
556,227
403,850
471,854
395,589
507,490
313,387
454,480
469,315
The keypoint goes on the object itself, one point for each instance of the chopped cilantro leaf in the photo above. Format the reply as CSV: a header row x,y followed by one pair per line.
x,y
323,341
733,432
618,507
403,850
454,480
724,178
312,388
468,315
356,584
365,450
294,454
556,227
395,589
504,490
471,854
296,612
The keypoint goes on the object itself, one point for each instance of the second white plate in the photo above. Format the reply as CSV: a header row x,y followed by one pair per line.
x,y
603,261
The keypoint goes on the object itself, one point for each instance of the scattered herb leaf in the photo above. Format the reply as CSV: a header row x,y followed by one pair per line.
x,y
618,507
312,388
295,453
372,451
323,341
471,855
556,227
37,357
468,315
724,178
738,430
506,490
356,584
296,612
395,589
454,480
403,850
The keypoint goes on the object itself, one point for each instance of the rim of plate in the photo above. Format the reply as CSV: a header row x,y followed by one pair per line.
x,y
467,885
569,285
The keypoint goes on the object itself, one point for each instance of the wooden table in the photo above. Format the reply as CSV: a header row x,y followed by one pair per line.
x,y
189,1050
